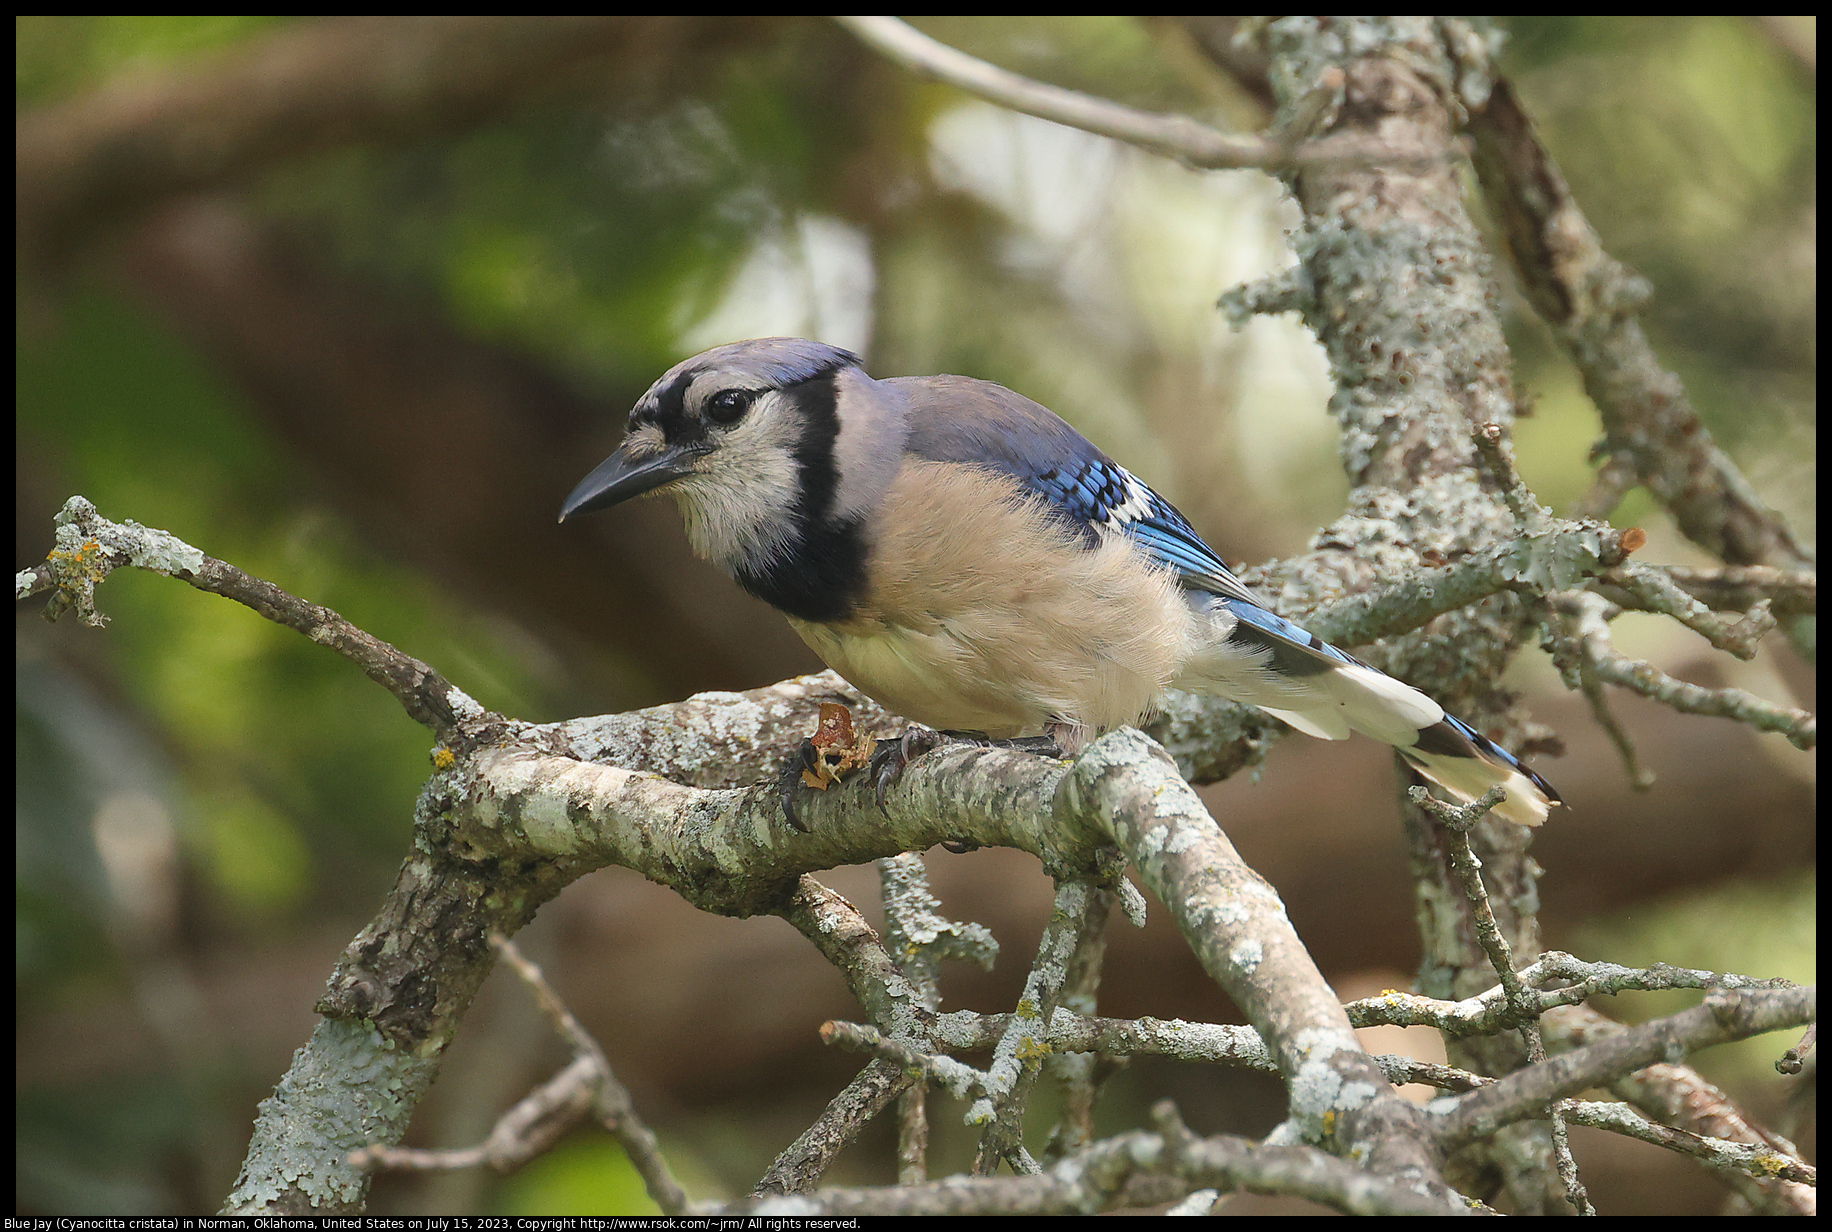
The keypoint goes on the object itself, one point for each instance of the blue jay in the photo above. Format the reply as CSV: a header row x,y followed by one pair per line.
x,y
970,561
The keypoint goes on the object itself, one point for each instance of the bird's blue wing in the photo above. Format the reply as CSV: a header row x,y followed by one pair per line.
x,y
1260,657
977,423
1097,491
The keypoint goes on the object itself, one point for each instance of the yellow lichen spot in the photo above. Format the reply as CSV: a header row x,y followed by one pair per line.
x,y
443,758
1032,1049
1027,1009
1329,1123
80,559
1771,1165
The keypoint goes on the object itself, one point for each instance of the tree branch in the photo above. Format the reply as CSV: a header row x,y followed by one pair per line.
x,y
1174,136
1115,1173
506,823
1591,300
1679,1096
1587,650
89,547
524,800
517,811
1724,1016
1757,1161
586,1086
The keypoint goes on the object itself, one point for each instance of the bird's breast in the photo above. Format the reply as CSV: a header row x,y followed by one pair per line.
x,y
981,611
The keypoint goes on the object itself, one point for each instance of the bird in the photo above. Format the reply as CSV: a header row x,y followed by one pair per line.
x,y
970,561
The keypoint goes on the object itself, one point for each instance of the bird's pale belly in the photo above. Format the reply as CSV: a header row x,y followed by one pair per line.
x,y
947,677
930,677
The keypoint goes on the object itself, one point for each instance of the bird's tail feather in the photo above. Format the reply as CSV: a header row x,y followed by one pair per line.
x,y
1269,662
1466,763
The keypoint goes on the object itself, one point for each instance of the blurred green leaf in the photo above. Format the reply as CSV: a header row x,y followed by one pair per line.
x,y
588,1174
1765,929
55,55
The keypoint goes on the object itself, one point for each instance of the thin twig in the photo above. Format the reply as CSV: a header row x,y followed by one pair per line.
x,y
1656,591
1615,479
1723,1017
1678,1096
1174,136
1739,587
611,1099
1078,1075
1522,1010
959,1079
917,932
1580,673
1207,1043
1762,1162
1492,446
1457,820
1017,1059
898,1006
1487,1012
530,1127
1590,300
800,1166
90,547
849,942
1590,649
537,1121
1682,1099
921,937
1553,558
1794,1059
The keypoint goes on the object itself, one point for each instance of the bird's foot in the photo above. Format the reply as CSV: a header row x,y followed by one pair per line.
x,y
894,756
834,752
1041,746
802,761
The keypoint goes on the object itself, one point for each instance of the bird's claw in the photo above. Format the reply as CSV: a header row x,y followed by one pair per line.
x,y
892,756
802,761
814,763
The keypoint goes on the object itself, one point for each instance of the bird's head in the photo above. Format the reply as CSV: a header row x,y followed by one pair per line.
x,y
755,441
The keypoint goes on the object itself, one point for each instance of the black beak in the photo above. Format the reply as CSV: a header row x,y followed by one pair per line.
x,y
619,477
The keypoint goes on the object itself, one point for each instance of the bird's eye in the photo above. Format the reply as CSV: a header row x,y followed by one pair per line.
x,y
728,405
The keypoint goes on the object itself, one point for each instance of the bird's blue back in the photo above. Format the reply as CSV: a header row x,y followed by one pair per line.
x,y
961,420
